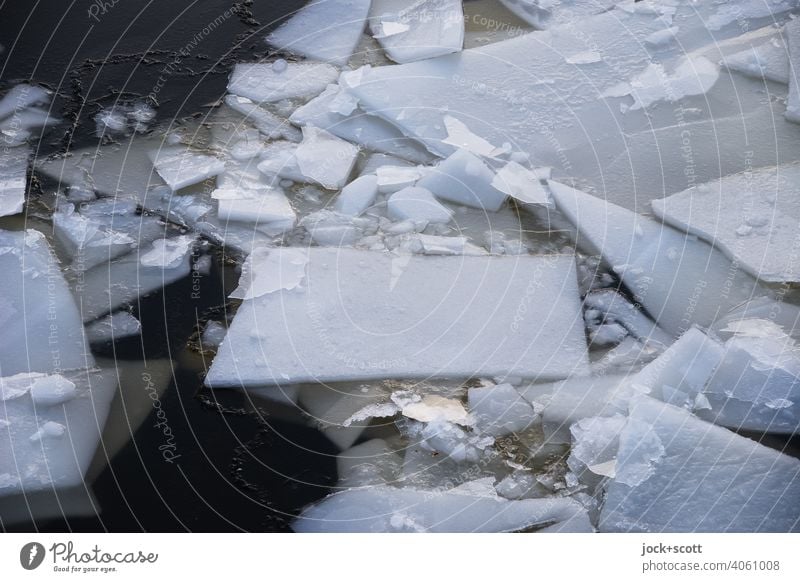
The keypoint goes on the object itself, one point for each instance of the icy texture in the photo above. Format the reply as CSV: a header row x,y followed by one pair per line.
x,y
337,112
678,279
269,82
371,315
213,334
752,216
115,326
99,231
465,179
547,13
792,31
769,59
389,509
325,158
496,89
595,442
37,310
13,179
180,167
49,436
677,473
500,410
421,29
269,124
417,204
262,206
613,307
323,30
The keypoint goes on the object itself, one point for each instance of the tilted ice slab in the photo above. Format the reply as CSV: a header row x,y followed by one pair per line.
x,y
754,217
101,230
324,314
49,428
511,92
107,287
465,179
268,82
42,328
677,473
767,59
472,507
13,179
180,167
338,113
323,30
548,13
411,31
678,279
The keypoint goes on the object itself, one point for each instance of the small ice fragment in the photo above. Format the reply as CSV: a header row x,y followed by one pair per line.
x,y
662,37
111,120
213,334
267,83
48,430
521,184
500,410
277,269
692,75
394,178
52,390
465,179
416,203
325,158
448,245
460,136
180,167
357,196
262,205
168,253
432,408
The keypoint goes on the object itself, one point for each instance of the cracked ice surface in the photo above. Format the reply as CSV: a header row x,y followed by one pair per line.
x,y
370,315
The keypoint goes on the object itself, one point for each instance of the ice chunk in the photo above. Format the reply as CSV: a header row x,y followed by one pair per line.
x,y
49,437
678,279
133,275
266,82
614,307
115,326
418,30
448,245
323,30
706,479
370,463
395,178
213,334
595,442
500,410
418,204
13,179
691,76
261,206
99,231
389,509
521,184
465,179
267,123
338,113
36,310
180,167
572,400
357,196
266,271
432,317
461,137
768,60
547,13
325,158
752,217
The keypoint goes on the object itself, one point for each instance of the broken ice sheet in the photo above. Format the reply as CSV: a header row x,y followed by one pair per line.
x,y
13,179
545,13
268,82
677,473
465,179
50,433
370,315
323,30
411,31
500,410
752,217
767,59
180,167
385,508
262,206
473,86
115,326
269,124
95,232
37,309
325,158
521,184
678,279
419,205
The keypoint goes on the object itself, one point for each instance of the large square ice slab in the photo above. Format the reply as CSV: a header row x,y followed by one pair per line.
x,y
341,314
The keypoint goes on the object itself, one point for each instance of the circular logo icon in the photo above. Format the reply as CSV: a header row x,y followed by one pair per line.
x,y
31,555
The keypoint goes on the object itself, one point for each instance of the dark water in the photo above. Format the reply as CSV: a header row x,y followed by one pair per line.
x,y
237,466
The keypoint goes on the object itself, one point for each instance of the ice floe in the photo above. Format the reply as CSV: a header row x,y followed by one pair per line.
x,y
268,82
13,179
